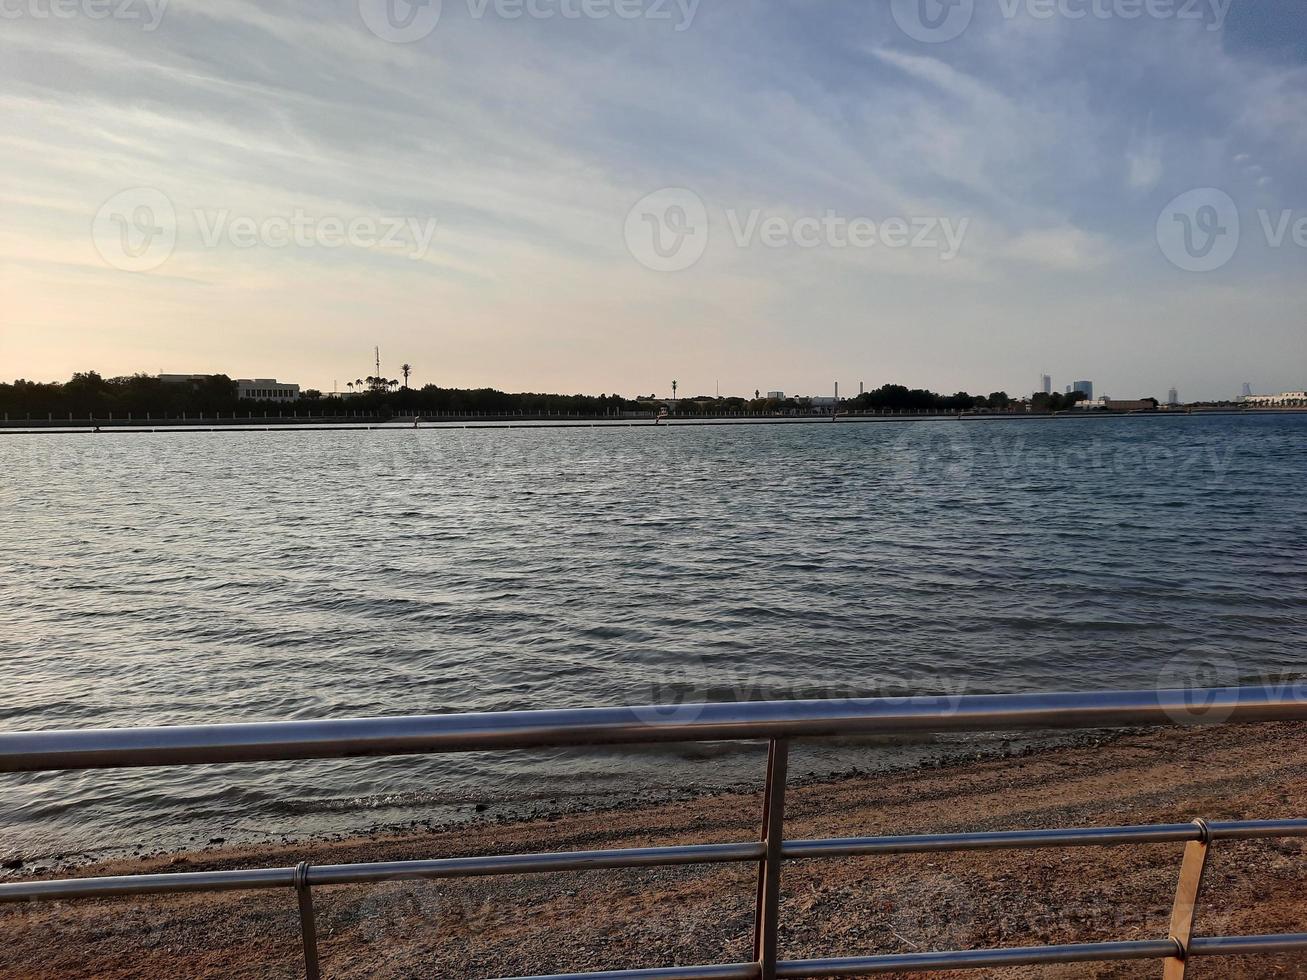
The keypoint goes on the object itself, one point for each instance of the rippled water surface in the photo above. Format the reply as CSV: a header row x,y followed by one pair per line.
x,y
196,577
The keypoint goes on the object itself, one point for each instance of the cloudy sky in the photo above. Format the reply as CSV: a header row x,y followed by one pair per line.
x,y
603,195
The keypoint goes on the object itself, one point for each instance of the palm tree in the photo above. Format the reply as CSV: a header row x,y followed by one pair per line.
x,y
407,369
349,385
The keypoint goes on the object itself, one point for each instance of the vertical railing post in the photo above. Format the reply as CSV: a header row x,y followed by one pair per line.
x,y
308,928
1186,901
767,910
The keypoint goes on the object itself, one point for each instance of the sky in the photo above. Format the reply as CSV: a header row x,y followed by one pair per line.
x,y
605,195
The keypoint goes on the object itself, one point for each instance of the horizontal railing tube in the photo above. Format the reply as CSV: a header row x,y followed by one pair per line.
x,y
187,745
634,857
1250,829
515,864
923,843
977,959
725,971
189,881
1247,945
341,874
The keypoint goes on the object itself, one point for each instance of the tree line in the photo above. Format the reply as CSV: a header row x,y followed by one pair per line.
x,y
89,394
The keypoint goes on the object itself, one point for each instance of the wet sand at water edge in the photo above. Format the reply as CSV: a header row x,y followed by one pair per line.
x,y
585,921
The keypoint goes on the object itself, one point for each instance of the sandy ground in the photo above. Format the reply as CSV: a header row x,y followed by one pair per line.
x,y
519,925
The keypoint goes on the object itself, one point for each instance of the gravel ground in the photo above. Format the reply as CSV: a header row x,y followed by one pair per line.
x,y
519,925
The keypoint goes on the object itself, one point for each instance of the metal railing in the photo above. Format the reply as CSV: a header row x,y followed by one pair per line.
x,y
778,722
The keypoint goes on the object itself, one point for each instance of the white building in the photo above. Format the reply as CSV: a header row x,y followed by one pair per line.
x,y
266,389
777,395
1286,399
820,404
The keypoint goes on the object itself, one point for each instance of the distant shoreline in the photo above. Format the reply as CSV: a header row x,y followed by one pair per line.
x,y
125,427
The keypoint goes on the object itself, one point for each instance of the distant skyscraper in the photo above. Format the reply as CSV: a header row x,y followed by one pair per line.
x,y
1173,397
1046,383
1086,386
1247,390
